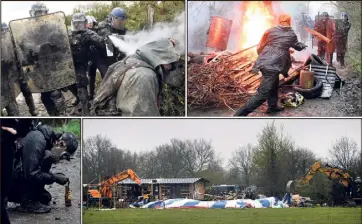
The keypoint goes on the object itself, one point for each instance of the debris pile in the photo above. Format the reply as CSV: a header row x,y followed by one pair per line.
x,y
225,78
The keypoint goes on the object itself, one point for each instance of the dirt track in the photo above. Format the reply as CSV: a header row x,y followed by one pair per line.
x,y
59,213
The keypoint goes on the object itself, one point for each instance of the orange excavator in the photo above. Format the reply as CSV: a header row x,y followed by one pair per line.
x,y
106,186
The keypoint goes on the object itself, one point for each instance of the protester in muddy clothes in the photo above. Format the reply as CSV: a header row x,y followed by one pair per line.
x,y
325,27
12,109
342,30
36,153
11,130
136,82
81,41
97,59
274,59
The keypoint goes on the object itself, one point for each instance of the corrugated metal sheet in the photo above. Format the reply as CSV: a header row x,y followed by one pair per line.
x,y
164,181
328,78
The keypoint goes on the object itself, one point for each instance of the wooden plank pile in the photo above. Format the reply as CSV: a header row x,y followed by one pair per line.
x,y
225,79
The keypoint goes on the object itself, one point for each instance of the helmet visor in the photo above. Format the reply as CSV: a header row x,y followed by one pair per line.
x,y
118,23
79,25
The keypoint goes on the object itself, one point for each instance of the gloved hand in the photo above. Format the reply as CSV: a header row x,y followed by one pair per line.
x,y
61,178
304,46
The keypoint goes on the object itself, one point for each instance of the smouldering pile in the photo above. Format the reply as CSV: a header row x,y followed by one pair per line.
x,y
227,81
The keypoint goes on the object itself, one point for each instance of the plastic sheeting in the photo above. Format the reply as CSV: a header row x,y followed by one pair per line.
x,y
270,202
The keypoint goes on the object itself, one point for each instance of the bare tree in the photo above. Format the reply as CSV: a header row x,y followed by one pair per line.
x,y
344,153
242,160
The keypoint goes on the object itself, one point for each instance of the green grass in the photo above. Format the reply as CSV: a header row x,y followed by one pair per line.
x,y
226,216
72,126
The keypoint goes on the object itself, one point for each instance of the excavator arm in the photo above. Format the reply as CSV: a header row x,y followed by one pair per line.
x,y
105,186
333,173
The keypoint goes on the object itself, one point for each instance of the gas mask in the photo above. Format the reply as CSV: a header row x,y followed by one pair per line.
x,y
118,23
60,151
170,77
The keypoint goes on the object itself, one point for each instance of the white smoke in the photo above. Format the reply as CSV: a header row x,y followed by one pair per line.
x,y
174,30
295,9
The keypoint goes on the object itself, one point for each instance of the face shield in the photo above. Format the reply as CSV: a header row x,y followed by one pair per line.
x,y
118,23
79,25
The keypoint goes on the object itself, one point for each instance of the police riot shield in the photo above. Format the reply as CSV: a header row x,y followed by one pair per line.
x,y
9,70
43,50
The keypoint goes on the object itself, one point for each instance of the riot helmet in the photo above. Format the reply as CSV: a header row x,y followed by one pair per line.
x,y
344,16
79,22
118,18
4,27
91,21
38,9
325,16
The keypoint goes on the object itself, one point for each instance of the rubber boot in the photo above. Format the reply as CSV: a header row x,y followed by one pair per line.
x,y
30,206
275,109
73,89
83,96
30,102
12,109
330,59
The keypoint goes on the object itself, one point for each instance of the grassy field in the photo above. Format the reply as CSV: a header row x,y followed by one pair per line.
x,y
226,216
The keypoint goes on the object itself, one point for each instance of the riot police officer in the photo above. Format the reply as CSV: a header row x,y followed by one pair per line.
x,y
114,24
342,30
53,101
97,59
81,40
12,108
24,89
325,26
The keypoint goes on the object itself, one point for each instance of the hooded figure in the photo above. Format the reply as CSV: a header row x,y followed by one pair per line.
x,y
274,59
36,154
137,81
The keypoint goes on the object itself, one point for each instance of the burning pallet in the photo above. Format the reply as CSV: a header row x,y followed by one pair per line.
x,y
226,79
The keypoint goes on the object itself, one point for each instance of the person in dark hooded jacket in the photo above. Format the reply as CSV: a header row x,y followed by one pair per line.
x,y
11,130
274,59
39,150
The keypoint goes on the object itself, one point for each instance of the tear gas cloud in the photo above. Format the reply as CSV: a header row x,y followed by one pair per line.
x,y
175,30
295,9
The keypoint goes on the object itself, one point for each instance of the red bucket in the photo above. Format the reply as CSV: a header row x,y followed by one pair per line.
x,y
219,33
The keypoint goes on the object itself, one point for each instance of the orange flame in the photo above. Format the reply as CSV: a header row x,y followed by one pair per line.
x,y
256,20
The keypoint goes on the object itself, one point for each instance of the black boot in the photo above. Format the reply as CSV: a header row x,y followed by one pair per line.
x,y
29,100
342,62
274,109
30,206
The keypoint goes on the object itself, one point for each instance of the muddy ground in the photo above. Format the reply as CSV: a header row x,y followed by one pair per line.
x,y
24,110
348,103
59,213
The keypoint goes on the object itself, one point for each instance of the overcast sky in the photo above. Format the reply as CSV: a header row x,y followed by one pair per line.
x,y
20,9
226,134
